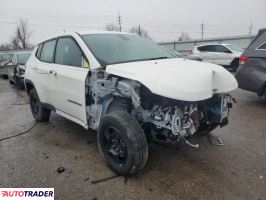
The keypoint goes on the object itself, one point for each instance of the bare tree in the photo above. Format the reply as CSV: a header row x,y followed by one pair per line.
x,y
139,31
15,43
5,47
112,27
20,40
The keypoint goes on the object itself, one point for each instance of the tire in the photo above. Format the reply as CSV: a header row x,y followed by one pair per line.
x,y
123,143
39,113
19,83
234,65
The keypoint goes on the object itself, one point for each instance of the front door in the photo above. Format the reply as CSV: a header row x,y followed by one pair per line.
x,y
68,79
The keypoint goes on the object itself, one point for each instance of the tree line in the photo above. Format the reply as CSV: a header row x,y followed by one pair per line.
x,y
20,40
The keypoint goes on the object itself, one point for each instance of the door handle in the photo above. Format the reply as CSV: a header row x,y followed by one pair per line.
x,y
53,72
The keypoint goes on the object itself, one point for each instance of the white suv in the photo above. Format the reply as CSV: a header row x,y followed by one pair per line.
x,y
226,55
128,89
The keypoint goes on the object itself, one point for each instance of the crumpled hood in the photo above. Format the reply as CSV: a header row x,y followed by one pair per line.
x,y
178,78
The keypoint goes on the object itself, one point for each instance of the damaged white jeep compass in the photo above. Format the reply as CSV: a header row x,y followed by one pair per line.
x,y
128,89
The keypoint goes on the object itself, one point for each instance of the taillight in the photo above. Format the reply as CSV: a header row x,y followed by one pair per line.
x,y
243,59
189,53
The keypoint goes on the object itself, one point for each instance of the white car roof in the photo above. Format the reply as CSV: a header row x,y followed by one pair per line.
x,y
82,33
223,44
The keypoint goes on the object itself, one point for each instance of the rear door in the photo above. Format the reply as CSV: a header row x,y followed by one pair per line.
x,y
222,56
68,80
41,65
207,53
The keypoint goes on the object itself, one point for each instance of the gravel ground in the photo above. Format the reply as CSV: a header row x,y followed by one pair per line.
x,y
236,170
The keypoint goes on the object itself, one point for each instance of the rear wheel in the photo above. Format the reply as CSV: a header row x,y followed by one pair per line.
x,y
234,65
19,83
122,143
39,113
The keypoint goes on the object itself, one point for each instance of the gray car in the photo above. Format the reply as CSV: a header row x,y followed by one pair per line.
x,y
16,67
251,74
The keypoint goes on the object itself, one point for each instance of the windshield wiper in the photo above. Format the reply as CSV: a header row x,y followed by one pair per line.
x,y
158,58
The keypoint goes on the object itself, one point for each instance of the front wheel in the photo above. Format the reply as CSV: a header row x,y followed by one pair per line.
x,y
123,143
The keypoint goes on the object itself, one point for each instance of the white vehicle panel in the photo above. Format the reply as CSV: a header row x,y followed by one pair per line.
x,y
68,91
178,78
39,74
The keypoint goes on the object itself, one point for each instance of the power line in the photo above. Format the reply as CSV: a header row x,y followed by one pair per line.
x,y
202,29
250,28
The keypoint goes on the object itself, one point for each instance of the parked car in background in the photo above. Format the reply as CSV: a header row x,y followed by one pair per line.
x,y
6,58
251,74
16,67
226,55
128,89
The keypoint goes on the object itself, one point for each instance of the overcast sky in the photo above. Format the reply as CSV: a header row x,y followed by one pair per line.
x,y
163,19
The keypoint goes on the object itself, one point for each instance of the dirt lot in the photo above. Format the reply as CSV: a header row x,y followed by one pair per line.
x,y
236,170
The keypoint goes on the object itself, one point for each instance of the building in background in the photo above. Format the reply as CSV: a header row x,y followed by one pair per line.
x,y
186,46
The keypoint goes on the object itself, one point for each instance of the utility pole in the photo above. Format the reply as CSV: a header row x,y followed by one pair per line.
x,y
202,29
250,28
119,22
139,30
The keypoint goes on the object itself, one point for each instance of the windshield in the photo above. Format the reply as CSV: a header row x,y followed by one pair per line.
x,y
23,58
6,57
121,48
234,48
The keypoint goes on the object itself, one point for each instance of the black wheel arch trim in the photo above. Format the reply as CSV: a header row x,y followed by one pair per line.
x,y
27,81
44,105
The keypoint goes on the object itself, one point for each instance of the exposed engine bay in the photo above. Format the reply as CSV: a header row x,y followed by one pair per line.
x,y
163,119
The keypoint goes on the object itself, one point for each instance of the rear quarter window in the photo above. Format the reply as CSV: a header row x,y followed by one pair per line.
x,y
207,48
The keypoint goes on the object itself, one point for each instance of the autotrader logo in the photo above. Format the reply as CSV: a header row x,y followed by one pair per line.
x,y
27,193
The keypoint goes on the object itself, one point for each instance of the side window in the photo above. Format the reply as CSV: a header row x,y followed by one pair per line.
x,y
262,47
208,48
201,48
221,49
39,50
47,54
68,53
